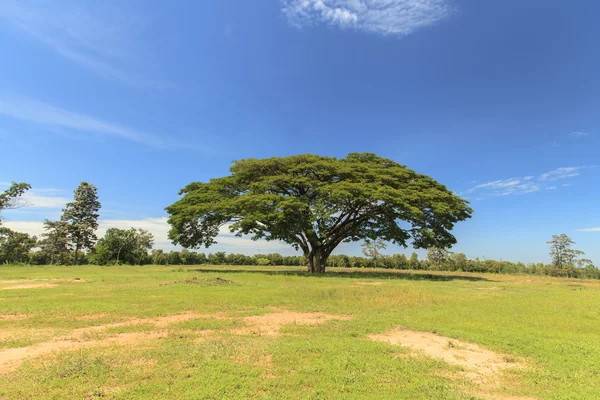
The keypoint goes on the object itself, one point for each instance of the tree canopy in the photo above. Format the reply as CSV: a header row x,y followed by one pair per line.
x,y
81,216
10,198
123,245
314,203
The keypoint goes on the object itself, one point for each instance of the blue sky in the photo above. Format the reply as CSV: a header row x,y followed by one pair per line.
x,y
497,100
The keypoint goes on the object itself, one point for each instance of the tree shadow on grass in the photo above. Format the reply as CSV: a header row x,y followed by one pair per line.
x,y
362,274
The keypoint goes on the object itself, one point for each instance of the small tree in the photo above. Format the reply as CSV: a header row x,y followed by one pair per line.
x,y
414,261
437,257
459,261
370,248
81,216
11,198
55,243
564,258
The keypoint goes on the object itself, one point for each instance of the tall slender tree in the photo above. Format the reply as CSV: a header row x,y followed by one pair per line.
x,y
81,216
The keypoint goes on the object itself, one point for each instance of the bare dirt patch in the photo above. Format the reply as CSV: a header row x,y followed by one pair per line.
x,y
13,317
12,358
270,324
483,367
80,338
30,286
369,283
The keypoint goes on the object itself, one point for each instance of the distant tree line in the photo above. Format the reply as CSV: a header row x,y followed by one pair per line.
x,y
72,240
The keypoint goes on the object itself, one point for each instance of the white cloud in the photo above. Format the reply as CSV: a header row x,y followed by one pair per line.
x,y
54,118
159,227
34,200
579,134
589,230
101,38
387,17
527,184
560,173
506,187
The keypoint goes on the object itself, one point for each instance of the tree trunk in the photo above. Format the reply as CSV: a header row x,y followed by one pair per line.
x,y
76,254
316,262
118,254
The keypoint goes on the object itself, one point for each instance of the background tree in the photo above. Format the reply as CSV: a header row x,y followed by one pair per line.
x,y
55,241
314,203
458,261
11,197
82,218
564,258
15,246
370,248
127,245
437,258
414,261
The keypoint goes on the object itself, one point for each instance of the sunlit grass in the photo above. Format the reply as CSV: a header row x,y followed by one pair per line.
x,y
552,324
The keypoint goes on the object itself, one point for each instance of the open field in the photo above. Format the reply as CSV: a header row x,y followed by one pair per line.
x,y
274,333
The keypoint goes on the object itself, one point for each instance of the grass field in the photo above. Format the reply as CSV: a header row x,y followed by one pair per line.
x,y
276,333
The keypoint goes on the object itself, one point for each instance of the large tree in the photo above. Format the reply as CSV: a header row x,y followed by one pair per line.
x,y
11,197
81,215
314,203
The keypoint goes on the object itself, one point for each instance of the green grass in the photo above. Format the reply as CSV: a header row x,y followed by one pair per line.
x,y
552,325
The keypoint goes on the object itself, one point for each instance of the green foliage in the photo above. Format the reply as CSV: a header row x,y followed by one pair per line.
x,y
81,215
55,244
370,248
564,258
9,199
263,261
15,246
314,203
129,246
437,258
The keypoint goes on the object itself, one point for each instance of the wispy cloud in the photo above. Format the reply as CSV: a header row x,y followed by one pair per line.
x,y
387,17
40,198
526,184
560,173
34,199
506,187
589,230
104,40
579,134
54,118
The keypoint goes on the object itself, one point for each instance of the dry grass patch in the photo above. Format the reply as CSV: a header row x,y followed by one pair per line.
x,y
369,283
30,286
14,317
481,366
270,324
80,338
